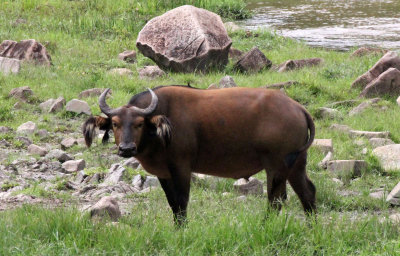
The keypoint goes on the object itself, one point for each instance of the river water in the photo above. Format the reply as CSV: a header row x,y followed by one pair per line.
x,y
335,24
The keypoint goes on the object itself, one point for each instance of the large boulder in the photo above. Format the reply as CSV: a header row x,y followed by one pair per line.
x,y
185,39
387,83
389,60
29,50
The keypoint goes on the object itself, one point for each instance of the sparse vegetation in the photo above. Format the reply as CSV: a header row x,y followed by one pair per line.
x,y
84,39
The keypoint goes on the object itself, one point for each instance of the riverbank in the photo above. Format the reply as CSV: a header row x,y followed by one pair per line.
x,y
84,42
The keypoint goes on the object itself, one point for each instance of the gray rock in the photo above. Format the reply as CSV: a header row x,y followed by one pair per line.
x,y
127,56
347,168
324,145
151,182
150,72
337,181
231,26
45,106
395,218
235,54
283,85
137,181
94,179
80,177
379,142
298,64
328,113
241,198
78,106
5,129
27,50
21,93
363,106
380,194
389,60
42,133
227,82
185,39
68,143
59,155
57,105
363,51
324,163
8,65
74,165
252,186
389,156
394,195
121,72
24,140
27,128
369,135
131,163
253,61
115,174
387,83
94,92
37,150
340,128
106,207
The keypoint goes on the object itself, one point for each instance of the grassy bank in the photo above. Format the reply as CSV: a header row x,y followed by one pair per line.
x,y
84,39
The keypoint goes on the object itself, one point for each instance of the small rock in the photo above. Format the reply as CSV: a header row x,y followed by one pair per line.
x,y
226,194
21,93
8,65
325,145
395,218
364,151
115,174
127,56
389,156
5,129
212,86
68,143
80,177
379,142
252,186
227,82
329,113
369,135
241,198
94,179
283,85
363,106
59,155
26,50
324,163
394,195
137,181
131,163
57,105
42,133
74,165
352,168
36,150
235,53
337,181
106,207
150,72
340,128
94,92
45,106
363,51
24,140
150,182
298,64
121,72
78,106
27,128
253,61
378,194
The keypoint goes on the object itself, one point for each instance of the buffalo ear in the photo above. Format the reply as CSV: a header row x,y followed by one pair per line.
x,y
90,125
163,128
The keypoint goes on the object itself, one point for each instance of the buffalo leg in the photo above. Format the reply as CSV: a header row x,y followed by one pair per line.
x,y
177,192
276,186
302,185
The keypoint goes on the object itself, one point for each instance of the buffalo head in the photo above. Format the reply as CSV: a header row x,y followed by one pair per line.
x,y
135,129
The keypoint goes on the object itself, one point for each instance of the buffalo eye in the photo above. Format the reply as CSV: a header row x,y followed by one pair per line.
x,y
114,124
139,125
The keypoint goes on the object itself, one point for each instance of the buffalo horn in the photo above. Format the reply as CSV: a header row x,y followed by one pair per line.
x,y
151,107
103,105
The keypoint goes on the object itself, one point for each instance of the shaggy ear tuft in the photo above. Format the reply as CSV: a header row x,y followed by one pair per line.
x,y
164,128
90,125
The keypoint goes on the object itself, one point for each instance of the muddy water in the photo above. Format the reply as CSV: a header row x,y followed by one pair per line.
x,y
335,24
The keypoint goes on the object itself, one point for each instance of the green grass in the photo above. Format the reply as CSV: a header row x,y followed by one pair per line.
x,y
84,39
